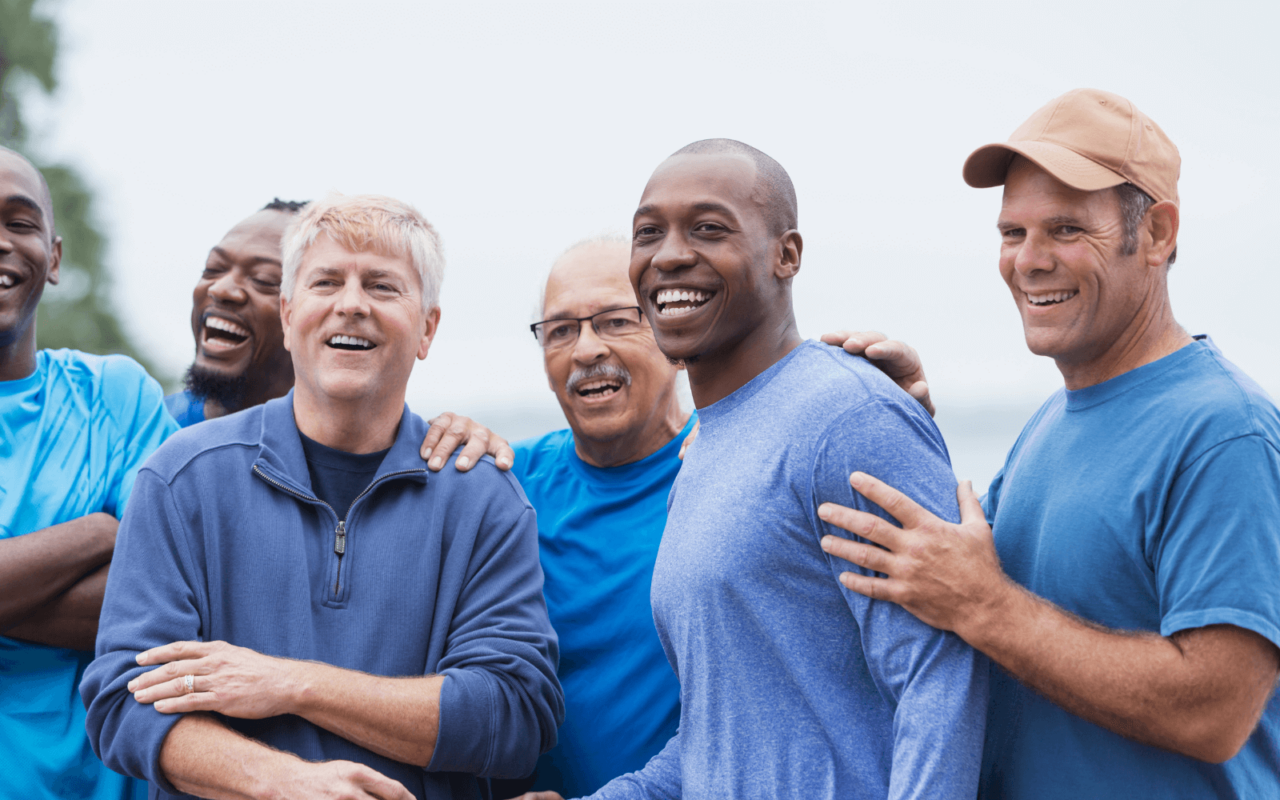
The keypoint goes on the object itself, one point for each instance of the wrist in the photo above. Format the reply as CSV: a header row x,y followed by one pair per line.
x,y
992,615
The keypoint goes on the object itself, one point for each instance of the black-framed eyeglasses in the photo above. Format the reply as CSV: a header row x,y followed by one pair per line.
x,y
612,324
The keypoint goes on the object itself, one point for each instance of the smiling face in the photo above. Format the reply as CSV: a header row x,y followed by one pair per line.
x,y
354,326
235,310
1082,301
29,258
614,390
701,255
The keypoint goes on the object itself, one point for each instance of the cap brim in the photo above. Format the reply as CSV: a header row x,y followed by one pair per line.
x,y
986,166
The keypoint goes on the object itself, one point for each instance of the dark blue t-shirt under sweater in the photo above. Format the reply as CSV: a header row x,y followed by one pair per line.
x,y
338,477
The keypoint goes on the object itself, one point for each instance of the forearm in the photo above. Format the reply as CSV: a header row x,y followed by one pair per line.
x,y
1160,691
68,620
203,757
395,717
38,567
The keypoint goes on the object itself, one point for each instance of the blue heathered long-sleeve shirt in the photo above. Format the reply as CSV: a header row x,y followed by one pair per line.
x,y
223,540
790,685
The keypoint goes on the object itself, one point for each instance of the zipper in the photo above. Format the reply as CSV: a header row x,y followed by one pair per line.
x,y
339,533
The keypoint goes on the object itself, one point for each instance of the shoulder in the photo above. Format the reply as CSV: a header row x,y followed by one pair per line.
x,y
536,455
236,437
482,485
114,378
1218,402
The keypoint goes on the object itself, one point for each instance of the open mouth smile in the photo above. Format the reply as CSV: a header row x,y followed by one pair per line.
x,y
222,333
598,389
678,302
342,342
6,281
1046,299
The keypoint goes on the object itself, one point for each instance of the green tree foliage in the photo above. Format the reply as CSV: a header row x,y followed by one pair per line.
x,y
78,312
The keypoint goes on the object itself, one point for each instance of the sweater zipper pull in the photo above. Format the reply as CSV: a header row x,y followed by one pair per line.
x,y
340,538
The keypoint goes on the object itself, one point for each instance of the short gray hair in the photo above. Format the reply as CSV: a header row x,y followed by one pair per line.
x,y
1134,205
364,223
608,237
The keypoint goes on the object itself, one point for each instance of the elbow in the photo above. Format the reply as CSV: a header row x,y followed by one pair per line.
x,y
1214,738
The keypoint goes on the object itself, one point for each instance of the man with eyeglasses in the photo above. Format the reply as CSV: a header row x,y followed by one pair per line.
x,y
600,490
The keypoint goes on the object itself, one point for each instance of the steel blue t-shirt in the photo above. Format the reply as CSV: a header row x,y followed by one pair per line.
x,y
72,436
792,686
1147,502
598,535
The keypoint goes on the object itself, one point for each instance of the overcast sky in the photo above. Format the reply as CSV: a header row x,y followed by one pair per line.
x,y
519,128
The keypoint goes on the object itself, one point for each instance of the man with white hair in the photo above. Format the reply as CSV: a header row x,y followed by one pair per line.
x,y
299,608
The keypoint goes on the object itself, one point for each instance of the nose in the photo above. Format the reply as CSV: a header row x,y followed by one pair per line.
x,y
227,288
589,348
1033,254
674,253
352,299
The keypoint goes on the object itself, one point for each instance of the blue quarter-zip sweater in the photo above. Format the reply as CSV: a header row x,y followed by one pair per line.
x,y
438,574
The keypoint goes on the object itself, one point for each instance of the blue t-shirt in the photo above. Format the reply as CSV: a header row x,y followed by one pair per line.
x,y
72,436
185,407
792,686
338,477
1148,502
598,535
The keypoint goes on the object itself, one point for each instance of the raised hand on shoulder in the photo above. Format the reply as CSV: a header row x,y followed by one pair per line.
x,y
898,360
449,431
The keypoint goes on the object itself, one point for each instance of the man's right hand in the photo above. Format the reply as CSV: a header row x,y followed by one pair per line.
x,y
539,796
340,780
896,359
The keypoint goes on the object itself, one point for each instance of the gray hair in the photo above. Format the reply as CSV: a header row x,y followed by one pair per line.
x,y
1134,205
363,223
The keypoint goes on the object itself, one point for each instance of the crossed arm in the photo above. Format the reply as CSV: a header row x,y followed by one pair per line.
x,y
51,581
395,717
1199,692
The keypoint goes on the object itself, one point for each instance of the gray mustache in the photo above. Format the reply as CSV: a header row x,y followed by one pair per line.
x,y
596,372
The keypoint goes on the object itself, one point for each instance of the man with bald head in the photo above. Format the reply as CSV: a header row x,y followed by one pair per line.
x,y
600,489
76,428
790,686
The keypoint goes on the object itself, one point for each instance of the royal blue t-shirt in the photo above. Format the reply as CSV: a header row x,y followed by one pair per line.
x,y
598,535
791,685
185,407
72,436
1148,502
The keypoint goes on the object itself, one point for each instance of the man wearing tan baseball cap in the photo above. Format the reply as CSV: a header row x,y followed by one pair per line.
x,y
1123,570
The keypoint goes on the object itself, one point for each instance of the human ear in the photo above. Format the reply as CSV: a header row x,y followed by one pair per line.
x,y
431,325
285,311
790,246
1161,228
55,262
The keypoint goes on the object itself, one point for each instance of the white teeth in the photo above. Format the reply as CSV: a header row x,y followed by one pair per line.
x,y
6,281
681,296
217,323
352,340
1046,298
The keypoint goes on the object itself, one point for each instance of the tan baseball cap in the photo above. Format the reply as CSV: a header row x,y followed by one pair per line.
x,y
1090,140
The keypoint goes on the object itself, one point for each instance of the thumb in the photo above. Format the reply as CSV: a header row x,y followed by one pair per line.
x,y
970,505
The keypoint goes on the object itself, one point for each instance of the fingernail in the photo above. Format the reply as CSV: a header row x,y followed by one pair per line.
x,y
856,478
463,462
436,462
130,684
504,462
141,658
826,542
824,511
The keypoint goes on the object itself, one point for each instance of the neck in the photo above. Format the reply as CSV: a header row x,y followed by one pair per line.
x,y
1153,334
18,354
658,430
715,376
358,426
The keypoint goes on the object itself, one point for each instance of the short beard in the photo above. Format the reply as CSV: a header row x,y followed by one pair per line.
x,y
682,362
225,390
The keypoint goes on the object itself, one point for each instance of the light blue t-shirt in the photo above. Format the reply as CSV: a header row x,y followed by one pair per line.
x,y
185,407
1148,502
72,436
792,686
598,535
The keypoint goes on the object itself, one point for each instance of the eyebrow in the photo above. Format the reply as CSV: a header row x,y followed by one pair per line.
x,y
254,260
706,205
23,200
1061,219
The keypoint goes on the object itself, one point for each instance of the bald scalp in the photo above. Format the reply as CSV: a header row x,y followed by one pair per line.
x,y
46,197
777,195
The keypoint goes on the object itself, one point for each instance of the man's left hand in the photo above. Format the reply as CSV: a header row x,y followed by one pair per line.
x,y
230,680
450,431
948,575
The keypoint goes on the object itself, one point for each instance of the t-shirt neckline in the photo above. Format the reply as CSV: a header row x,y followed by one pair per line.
x,y
1099,393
